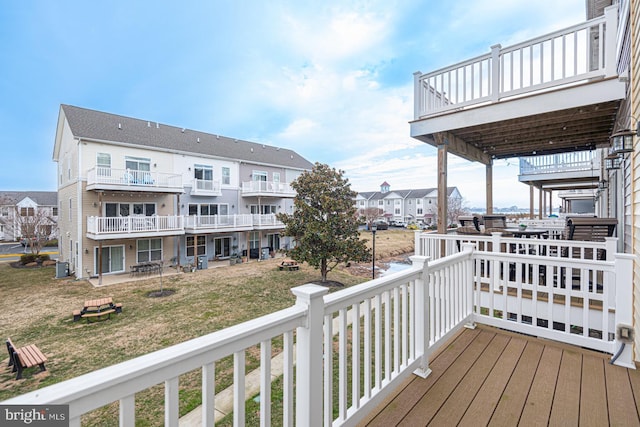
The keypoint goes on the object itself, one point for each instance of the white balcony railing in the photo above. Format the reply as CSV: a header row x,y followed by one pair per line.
x,y
218,222
401,319
576,161
565,57
267,188
124,226
204,187
103,178
266,221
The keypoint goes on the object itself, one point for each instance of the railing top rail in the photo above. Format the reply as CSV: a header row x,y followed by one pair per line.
x,y
153,368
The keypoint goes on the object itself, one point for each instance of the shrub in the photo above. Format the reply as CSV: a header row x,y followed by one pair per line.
x,y
43,257
28,258
51,243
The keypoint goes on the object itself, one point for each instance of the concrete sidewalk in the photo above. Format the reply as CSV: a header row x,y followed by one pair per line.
x,y
224,399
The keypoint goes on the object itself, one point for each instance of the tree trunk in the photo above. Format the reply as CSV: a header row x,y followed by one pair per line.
x,y
323,270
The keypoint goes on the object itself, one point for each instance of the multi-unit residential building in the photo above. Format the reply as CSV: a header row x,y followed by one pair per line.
x,y
410,206
133,191
17,206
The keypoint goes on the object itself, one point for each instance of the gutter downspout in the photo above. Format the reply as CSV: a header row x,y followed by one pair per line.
x,y
79,216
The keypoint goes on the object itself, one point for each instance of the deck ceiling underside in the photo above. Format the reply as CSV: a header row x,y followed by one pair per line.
x,y
575,129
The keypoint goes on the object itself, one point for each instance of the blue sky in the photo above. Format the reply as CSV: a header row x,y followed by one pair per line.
x,y
330,80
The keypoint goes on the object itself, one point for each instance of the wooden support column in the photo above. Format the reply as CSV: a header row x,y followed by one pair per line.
x,y
489,184
442,188
99,243
530,201
178,237
540,200
550,202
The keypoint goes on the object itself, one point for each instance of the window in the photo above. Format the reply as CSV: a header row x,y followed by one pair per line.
x,y
419,211
418,201
138,164
397,211
276,177
149,250
70,210
5,211
208,209
254,240
380,202
27,212
196,245
226,176
193,209
103,160
126,209
203,172
263,209
54,211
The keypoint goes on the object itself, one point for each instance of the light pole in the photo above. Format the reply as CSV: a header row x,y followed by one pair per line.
x,y
374,228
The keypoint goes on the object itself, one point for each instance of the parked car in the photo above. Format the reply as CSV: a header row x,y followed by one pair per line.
x,y
381,225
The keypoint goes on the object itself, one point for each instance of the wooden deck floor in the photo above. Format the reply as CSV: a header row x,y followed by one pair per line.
x,y
488,376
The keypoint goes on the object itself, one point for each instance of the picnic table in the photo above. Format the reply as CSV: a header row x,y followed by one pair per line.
x,y
97,308
289,264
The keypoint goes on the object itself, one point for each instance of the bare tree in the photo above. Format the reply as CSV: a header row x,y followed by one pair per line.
x,y
455,208
370,214
34,225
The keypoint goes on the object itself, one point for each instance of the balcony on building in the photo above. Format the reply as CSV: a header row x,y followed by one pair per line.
x,y
134,226
562,171
199,224
105,178
205,187
266,222
267,189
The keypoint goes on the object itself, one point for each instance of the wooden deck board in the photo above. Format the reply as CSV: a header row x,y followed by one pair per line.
x,y
566,399
620,397
494,388
594,411
493,377
430,403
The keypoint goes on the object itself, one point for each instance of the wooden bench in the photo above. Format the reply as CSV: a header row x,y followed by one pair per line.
x,y
97,314
25,357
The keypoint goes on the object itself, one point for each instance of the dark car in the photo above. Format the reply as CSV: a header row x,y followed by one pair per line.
x,y
381,225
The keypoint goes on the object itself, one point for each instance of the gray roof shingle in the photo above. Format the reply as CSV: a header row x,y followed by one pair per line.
x,y
42,198
107,127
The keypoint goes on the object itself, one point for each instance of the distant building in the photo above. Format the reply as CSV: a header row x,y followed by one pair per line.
x,y
417,206
14,204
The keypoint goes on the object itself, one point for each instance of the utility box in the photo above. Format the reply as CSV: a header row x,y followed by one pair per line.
x,y
62,269
265,253
203,262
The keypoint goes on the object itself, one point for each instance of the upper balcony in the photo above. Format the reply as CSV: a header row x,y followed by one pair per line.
x,y
204,187
267,189
562,171
266,222
218,223
103,178
555,93
128,227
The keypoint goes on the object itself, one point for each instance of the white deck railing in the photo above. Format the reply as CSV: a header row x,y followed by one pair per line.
x,y
135,224
218,222
565,57
205,187
104,177
266,220
272,188
399,321
576,161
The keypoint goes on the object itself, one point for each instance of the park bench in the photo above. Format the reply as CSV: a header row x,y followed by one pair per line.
x,y
25,357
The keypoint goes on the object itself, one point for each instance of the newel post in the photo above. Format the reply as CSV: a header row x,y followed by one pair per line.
x,y
624,307
496,243
495,74
309,356
422,315
417,95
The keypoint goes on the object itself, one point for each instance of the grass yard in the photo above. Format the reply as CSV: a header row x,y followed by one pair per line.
x,y
36,309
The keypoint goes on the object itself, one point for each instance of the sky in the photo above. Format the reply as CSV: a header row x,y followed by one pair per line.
x,y
331,80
